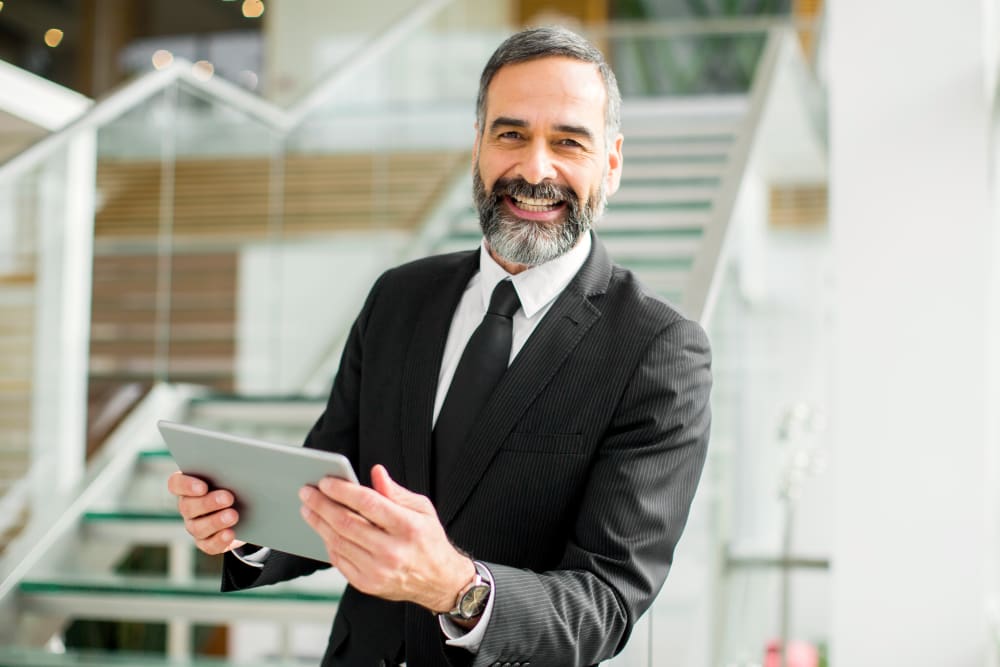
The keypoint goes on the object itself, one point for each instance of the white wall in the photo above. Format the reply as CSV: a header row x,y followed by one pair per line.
x,y
296,301
911,221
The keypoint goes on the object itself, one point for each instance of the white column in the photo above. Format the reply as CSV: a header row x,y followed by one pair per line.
x,y
911,218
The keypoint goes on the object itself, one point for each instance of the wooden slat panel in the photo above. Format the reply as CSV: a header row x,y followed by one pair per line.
x,y
232,196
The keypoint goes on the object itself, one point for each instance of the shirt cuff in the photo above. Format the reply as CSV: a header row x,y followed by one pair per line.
x,y
470,639
252,555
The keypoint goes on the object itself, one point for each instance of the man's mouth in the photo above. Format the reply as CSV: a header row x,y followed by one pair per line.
x,y
536,205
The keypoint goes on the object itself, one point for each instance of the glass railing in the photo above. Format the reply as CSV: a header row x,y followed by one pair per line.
x,y
772,363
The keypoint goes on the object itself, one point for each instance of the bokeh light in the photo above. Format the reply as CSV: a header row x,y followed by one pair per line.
x,y
162,59
203,70
53,37
253,9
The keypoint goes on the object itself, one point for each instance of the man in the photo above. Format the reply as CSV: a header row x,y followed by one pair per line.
x,y
538,521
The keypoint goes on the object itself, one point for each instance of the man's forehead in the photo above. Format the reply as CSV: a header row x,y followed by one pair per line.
x,y
551,83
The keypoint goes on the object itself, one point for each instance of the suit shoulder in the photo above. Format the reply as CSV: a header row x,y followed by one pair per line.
x,y
646,307
429,267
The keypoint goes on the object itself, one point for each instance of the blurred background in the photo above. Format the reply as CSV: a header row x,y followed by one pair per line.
x,y
195,196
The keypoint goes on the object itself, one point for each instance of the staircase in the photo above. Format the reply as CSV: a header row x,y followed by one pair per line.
x,y
675,163
654,225
130,515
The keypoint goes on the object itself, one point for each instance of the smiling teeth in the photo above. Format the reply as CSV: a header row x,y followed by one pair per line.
x,y
537,205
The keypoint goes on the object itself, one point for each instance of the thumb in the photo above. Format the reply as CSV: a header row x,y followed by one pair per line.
x,y
387,486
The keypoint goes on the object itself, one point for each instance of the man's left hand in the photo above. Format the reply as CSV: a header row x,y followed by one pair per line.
x,y
387,541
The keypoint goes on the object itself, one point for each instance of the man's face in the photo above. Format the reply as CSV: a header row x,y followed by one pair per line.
x,y
542,168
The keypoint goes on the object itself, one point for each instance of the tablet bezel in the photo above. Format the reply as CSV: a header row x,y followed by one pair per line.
x,y
265,478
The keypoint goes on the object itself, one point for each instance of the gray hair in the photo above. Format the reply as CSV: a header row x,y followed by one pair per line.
x,y
545,42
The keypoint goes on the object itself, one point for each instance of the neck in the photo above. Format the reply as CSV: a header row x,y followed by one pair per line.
x,y
510,267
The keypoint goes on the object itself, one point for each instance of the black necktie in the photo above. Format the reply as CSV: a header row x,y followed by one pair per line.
x,y
483,363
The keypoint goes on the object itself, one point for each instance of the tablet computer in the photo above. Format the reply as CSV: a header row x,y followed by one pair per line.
x,y
264,477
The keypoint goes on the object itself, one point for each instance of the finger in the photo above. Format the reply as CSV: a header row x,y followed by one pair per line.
x,y
219,543
387,486
369,503
208,526
354,561
338,546
194,507
180,484
344,523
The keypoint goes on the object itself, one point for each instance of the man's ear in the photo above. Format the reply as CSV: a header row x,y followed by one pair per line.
x,y
475,144
614,177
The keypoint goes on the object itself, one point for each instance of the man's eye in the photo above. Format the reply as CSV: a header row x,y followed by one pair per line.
x,y
572,143
510,134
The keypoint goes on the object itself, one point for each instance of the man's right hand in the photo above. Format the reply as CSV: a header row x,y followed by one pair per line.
x,y
209,516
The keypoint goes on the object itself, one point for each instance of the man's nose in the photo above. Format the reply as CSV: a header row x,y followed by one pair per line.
x,y
537,164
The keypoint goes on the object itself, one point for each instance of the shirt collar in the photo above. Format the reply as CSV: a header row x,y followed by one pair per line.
x,y
536,286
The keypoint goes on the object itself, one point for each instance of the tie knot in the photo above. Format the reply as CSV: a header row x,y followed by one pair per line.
x,y
504,301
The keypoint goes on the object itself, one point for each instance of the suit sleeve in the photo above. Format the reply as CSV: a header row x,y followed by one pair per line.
x,y
336,430
631,515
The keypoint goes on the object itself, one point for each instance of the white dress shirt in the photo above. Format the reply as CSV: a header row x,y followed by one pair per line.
x,y
537,288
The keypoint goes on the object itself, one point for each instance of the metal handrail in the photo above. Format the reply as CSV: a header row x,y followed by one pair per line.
x,y
279,119
670,28
703,283
51,106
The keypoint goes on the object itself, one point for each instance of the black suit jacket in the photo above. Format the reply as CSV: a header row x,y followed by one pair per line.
x,y
579,473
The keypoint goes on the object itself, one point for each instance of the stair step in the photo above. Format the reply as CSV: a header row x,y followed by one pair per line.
x,y
258,413
685,159
628,248
15,656
649,169
135,526
680,149
645,192
143,598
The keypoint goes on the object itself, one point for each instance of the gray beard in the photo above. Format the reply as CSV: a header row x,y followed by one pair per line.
x,y
525,241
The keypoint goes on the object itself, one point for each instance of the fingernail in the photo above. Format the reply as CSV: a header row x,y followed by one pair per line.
x,y
199,489
228,517
305,493
222,497
326,484
304,511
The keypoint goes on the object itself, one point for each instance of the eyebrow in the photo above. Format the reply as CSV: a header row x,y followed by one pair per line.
x,y
506,121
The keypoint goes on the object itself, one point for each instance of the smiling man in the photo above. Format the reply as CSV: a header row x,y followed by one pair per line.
x,y
528,422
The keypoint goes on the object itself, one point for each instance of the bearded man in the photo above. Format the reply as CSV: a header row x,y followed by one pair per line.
x,y
528,422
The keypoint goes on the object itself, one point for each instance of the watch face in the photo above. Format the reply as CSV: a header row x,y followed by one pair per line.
x,y
474,601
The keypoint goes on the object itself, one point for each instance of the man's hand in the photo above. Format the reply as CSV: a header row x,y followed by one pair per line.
x,y
387,541
208,517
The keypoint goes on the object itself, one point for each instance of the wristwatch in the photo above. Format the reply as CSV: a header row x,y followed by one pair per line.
x,y
472,599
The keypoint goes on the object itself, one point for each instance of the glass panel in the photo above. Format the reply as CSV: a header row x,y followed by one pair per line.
x,y
765,485
651,66
181,206
20,204
366,173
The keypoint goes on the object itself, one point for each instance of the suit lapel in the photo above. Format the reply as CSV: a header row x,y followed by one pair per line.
x,y
555,338
421,370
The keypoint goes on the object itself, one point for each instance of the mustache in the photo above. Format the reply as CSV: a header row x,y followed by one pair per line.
x,y
518,188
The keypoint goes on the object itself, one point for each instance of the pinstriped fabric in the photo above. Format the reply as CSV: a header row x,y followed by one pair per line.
x,y
577,477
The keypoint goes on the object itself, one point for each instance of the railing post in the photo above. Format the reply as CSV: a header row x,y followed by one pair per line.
x,y
62,319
